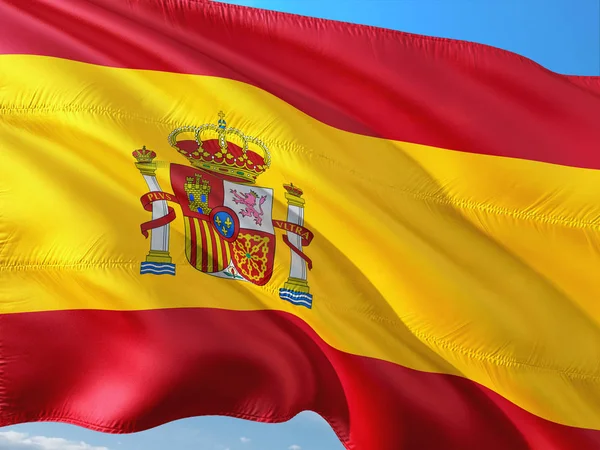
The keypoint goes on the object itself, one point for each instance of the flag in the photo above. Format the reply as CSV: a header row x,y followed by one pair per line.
x,y
212,209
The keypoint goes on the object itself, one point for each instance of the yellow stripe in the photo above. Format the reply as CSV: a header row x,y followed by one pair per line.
x,y
442,261
199,246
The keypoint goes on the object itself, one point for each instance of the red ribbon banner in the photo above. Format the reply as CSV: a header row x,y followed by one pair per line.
x,y
147,200
306,235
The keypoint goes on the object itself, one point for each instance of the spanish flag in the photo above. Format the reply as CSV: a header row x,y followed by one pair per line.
x,y
212,209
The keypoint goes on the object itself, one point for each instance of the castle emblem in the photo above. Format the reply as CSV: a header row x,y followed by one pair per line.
x,y
229,229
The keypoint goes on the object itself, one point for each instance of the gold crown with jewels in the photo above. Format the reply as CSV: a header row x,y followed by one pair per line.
x,y
229,152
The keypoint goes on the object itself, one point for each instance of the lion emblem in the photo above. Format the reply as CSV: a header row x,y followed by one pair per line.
x,y
250,201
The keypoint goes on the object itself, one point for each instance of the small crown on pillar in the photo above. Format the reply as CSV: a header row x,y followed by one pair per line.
x,y
144,155
293,190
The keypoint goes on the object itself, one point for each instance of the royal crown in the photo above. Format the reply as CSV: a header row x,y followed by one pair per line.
x,y
143,155
293,190
227,153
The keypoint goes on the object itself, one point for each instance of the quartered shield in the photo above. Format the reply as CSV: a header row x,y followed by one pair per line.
x,y
228,225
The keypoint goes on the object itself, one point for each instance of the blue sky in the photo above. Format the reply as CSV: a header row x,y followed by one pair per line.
x,y
555,33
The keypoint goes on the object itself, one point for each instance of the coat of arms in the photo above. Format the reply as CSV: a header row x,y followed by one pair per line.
x,y
229,229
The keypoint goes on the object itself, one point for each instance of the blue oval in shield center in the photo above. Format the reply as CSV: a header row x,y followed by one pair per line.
x,y
224,222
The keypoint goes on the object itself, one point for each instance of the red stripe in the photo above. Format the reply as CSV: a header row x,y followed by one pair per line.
x,y
216,248
224,245
194,244
377,82
129,371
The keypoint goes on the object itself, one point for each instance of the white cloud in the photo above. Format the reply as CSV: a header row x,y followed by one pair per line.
x,y
312,416
245,440
294,447
12,440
